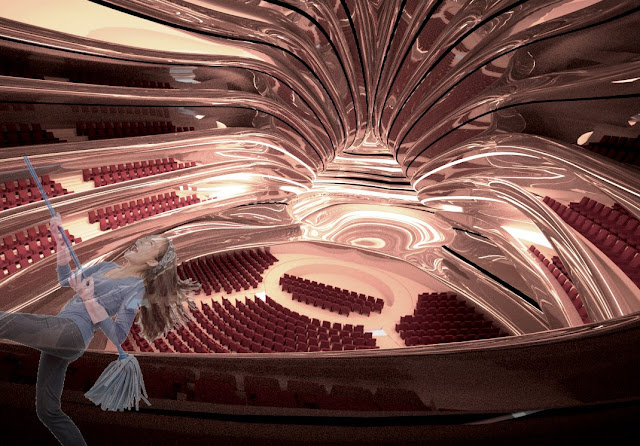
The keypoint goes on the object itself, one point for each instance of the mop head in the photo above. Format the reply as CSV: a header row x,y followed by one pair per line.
x,y
120,386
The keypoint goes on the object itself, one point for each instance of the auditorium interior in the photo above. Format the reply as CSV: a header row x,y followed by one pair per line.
x,y
412,221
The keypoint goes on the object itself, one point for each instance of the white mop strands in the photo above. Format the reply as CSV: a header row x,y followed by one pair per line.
x,y
120,386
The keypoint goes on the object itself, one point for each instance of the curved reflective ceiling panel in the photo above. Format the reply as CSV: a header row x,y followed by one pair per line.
x,y
386,125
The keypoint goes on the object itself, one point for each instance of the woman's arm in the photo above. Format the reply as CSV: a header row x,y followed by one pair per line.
x,y
118,330
65,272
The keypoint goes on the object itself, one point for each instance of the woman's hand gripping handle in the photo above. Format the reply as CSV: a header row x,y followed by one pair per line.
x,y
85,289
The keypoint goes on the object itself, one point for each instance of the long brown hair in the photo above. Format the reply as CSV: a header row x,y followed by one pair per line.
x,y
165,292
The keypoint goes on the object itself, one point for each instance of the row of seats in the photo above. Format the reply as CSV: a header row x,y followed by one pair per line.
x,y
116,81
221,388
166,164
16,106
442,317
615,220
104,175
620,251
161,112
24,190
12,135
124,129
20,250
172,382
17,68
278,335
126,213
560,274
207,386
299,331
222,328
332,298
619,148
230,271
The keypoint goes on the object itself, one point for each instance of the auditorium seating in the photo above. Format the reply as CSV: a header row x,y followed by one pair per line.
x,y
17,68
168,382
619,148
263,327
111,217
20,134
231,271
330,298
561,275
613,230
259,327
441,318
24,190
115,173
100,78
262,391
124,129
20,250
85,110
217,387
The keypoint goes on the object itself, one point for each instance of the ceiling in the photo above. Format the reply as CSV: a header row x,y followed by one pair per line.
x,y
441,107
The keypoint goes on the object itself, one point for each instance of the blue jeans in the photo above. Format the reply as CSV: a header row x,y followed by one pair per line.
x,y
60,341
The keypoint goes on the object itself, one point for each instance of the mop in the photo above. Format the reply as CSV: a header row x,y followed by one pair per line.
x,y
120,386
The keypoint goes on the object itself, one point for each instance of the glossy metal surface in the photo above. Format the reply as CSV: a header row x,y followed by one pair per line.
x,y
377,125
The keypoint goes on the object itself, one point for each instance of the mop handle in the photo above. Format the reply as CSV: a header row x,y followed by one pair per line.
x,y
53,214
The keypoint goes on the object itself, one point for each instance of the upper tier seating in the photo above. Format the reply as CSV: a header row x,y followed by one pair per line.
x,y
12,135
86,110
24,190
330,298
116,173
619,148
229,270
17,68
21,250
103,79
442,317
559,272
126,213
125,129
614,232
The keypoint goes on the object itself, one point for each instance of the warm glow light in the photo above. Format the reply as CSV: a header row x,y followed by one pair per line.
x,y
369,242
470,158
370,193
292,189
368,160
94,21
459,197
625,81
526,235
582,139
451,208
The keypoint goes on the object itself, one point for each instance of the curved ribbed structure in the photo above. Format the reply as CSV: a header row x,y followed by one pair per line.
x,y
422,132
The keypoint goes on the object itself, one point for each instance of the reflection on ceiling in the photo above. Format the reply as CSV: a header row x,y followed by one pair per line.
x,y
379,125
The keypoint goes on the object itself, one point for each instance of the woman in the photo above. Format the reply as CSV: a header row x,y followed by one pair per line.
x,y
148,281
